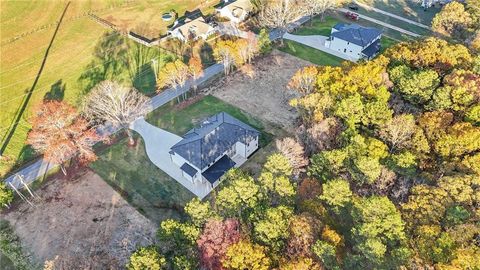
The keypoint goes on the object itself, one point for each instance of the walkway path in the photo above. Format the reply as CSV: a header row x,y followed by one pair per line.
x,y
401,30
157,145
317,42
393,15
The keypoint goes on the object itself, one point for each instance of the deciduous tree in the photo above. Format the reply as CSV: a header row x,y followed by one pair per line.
x,y
215,239
196,70
225,52
60,134
314,7
246,255
294,152
174,74
304,80
272,227
452,20
117,105
264,42
6,195
279,14
398,131
146,258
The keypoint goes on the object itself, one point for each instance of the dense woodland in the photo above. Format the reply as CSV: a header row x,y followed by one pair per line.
x,y
383,173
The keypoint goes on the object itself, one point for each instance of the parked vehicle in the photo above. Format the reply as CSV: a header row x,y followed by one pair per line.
x,y
353,7
352,16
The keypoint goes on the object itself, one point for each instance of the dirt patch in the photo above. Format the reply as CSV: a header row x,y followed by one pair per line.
x,y
266,95
83,223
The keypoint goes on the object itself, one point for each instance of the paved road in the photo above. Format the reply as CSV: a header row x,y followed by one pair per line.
x,y
39,168
393,15
401,30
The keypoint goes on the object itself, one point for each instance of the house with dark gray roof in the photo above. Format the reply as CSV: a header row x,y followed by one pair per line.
x,y
354,40
220,143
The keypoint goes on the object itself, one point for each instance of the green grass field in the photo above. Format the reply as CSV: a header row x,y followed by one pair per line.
x,y
71,55
150,190
310,54
180,120
410,9
323,27
144,185
396,22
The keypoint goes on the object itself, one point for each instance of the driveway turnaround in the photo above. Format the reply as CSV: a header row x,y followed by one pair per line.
x,y
157,145
317,42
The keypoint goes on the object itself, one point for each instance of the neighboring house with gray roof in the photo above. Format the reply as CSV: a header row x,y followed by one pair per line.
x,y
354,40
220,143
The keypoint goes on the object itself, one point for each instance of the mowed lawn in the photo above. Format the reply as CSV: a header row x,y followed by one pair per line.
x,y
71,55
144,185
145,17
179,120
410,9
322,27
150,190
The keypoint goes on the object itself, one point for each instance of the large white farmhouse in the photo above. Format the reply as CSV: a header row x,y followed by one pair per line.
x,y
235,10
219,144
191,27
355,41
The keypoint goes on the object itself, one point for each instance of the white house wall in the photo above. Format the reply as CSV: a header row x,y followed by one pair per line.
x,y
345,47
179,160
252,146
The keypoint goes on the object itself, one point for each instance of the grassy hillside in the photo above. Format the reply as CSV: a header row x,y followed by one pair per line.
x,y
70,55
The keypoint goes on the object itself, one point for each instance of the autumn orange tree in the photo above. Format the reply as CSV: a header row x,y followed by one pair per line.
x,y
60,134
195,68
225,52
174,74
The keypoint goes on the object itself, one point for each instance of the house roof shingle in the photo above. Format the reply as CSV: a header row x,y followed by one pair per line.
x,y
203,145
355,33
188,169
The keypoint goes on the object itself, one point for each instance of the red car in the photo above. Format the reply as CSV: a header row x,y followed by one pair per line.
x,y
351,15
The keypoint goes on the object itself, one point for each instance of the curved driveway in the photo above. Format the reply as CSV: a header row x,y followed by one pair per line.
x,y
157,145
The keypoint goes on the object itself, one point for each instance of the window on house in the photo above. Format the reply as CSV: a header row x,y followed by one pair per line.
x,y
344,50
348,43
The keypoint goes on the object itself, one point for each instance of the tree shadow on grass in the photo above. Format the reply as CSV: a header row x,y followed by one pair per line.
x,y
57,91
144,80
25,102
206,52
110,61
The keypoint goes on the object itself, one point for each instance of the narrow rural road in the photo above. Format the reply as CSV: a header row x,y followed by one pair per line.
x,y
40,167
401,30
393,15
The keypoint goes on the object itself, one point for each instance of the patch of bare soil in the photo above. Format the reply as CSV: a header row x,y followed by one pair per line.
x,y
266,95
83,223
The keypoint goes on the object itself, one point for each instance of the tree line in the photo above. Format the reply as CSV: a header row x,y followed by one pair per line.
x,y
382,173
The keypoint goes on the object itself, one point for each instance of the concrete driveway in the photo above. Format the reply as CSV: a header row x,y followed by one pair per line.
x,y
157,145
